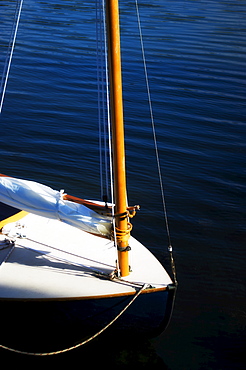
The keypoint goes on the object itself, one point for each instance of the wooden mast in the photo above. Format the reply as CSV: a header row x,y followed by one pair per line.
x,y
122,225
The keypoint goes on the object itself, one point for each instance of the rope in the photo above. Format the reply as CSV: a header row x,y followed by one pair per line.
x,y
6,244
170,248
123,236
10,51
82,343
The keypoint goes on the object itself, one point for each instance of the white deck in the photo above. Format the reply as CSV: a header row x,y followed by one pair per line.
x,y
57,261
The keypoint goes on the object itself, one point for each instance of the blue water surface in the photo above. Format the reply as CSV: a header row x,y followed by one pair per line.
x,y
195,54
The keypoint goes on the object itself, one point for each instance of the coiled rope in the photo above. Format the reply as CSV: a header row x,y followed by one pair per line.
x,y
81,343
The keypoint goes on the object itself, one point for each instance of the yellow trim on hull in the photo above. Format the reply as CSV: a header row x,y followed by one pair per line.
x,y
18,216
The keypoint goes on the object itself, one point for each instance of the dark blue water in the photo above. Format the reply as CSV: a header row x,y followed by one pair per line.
x,y
196,59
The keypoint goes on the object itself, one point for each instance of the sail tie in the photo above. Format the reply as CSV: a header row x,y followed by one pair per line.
x,y
129,213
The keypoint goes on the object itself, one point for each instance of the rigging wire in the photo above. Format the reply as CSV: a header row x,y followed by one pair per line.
x,y
101,83
103,102
170,248
98,33
10,51
105,140
109,135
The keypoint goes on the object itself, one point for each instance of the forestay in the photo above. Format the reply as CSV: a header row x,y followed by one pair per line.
x,y
42,200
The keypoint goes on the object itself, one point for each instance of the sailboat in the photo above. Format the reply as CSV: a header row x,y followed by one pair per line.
x,y
70,265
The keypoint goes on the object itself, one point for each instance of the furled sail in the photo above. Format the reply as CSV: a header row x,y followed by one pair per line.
x,y
42,200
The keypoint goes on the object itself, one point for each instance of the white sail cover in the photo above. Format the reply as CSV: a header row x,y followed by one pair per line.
x,y
41,200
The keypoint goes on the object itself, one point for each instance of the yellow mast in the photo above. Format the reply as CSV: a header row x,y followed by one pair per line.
x,y
122,225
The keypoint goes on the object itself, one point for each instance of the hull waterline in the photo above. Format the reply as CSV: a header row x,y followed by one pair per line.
x,y
53,325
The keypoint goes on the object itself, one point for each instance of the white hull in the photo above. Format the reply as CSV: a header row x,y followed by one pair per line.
x,y
60,275
53,260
